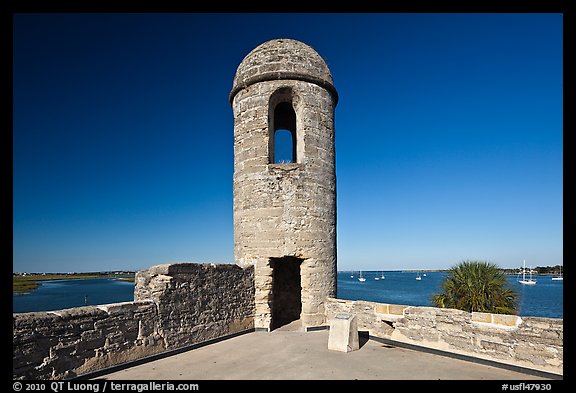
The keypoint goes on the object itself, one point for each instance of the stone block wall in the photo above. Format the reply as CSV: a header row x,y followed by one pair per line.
x,y
531,342
198,302
174,306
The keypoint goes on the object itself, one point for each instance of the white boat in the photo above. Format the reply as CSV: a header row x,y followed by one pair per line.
x,y
418,277
525,281
560,277
361,279
381,276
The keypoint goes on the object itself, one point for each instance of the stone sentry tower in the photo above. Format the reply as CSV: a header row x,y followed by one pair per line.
x,y
285,209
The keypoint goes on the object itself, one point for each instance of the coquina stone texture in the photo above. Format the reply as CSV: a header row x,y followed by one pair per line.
x,y
285,212
531,342
175,306
197,302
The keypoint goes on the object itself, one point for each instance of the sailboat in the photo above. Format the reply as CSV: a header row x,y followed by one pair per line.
x,y
525,281
418,277
560,277
362,279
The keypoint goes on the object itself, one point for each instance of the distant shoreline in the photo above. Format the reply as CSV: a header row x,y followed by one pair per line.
x,y
396,270
26,283
539,271
23,284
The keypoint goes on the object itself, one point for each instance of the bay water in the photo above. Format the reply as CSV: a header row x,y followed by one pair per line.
x,y
61,294
545,299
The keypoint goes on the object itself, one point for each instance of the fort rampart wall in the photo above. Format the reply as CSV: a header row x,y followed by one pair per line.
x,y
175,305
529,342
180,305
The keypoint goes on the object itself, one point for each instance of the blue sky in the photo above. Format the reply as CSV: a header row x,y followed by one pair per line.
x,y
449,137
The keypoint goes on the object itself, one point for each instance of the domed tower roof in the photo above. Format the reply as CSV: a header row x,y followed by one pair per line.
x,y
280,59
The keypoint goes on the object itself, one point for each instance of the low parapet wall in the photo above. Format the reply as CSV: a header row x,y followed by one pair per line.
x,y
198,302
175,305
178,305
530,342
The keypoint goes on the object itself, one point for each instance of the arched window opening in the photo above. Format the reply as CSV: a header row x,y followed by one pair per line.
x,y
283,150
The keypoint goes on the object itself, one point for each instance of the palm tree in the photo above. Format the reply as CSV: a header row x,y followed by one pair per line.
x,y
477,286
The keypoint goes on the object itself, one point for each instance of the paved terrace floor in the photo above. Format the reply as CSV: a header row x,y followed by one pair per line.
x,y
286,354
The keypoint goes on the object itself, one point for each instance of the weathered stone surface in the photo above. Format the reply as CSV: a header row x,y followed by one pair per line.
x,y
527,342
507,320
204,294
285,210
281,59
177,305
481,317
